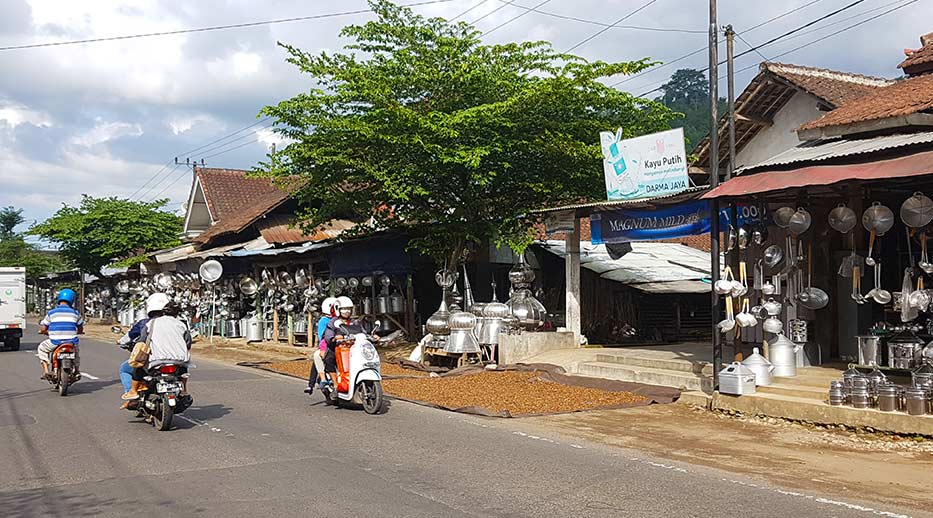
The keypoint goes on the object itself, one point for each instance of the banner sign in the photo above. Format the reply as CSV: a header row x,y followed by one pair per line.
x,y
683,219
559,222
645,166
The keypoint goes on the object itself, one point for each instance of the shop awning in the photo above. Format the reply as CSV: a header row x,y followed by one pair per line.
x,y
917,164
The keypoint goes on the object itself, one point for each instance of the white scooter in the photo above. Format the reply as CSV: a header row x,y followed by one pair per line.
x,y
360,374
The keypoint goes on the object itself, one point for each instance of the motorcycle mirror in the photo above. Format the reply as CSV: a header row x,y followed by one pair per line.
x,y
377,325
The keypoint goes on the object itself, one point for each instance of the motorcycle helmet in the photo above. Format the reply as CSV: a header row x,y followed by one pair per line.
x,y
67,295
327,307
344,303
156,302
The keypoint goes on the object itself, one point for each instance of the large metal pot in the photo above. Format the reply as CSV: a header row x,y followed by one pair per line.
x,y
382,304
842,219
760,366
878,218
799,222
869,350
397,303
462,339
783,356
254,329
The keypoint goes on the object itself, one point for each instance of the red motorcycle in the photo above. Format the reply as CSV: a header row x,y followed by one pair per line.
x,y
63,371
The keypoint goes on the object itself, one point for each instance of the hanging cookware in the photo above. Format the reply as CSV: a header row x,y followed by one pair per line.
x,y
367,281
908,311
745,318
924,263
285,281
850,261
210,271
773,256
917,211
760,235
731,239
842,219
301,277
758,276
857,285
773,325
768,288
879,294
782,216
812,298
773,307
920,299
724,285
341,283
743,238
740,285
878,218
248,286
727,324
799,222
353,283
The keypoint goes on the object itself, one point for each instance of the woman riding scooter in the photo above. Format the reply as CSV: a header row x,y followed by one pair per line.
x,y
328,311
169,341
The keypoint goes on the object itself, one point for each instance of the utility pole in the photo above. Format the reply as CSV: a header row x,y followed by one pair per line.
x,y
713,182
730,66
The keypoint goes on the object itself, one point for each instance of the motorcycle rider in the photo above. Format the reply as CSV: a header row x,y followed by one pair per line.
x,y
328,311
62,324
335,332
169,342
126,342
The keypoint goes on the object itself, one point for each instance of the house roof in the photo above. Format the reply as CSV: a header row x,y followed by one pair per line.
x,y
279,229
235,200
903,98
771,89
916,59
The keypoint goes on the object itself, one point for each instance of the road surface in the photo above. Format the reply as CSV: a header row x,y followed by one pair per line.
x,y
254,445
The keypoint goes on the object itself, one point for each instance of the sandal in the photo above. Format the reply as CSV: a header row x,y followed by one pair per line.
x,y
130,396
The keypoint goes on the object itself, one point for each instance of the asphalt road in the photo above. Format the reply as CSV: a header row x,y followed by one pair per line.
x,y
254,445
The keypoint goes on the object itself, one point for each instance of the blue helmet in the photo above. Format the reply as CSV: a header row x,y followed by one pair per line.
x,y
67,295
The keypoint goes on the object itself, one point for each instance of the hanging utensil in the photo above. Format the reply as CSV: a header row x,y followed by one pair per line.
x,y
724,285
857,285
880,295
846,269
878,218
758,276
731,239
810,297
728,323
746,318
908,311
760,235
842,219
743,238
920,298
799,222
768,288
740,285
773,255
924,263
782,216
917,211
869,260
301,277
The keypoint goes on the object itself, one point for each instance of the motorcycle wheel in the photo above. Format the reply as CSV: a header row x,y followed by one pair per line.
x,y
64,379
162,419
372,396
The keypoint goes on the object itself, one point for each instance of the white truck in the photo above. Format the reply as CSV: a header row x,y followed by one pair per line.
x,y
12,306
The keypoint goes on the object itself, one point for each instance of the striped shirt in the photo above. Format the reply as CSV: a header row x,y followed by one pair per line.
x,y
63,323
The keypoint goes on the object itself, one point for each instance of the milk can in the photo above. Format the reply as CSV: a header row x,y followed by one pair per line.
x,y
917,401
760,366
783,356
887,398
860,397
837,394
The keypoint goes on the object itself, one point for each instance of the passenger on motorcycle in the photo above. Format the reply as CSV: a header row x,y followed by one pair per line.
x,y
169,342
328,311
126,342
336,330
62,324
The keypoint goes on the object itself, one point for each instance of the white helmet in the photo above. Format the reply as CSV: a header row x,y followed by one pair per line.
x,y
344,302
328,305
157,302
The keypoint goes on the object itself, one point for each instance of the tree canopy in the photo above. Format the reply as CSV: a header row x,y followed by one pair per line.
x,y
110,232
10,217
15,251
687,92
418,125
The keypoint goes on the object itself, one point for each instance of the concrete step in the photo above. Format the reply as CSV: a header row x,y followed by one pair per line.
x,y
649,376
795,390
810,410
670,364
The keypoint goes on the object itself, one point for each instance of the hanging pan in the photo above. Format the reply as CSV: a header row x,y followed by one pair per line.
x,y
799,222
842,219
917,211
782,216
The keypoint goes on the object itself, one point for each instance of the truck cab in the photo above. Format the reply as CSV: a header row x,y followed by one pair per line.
x,y
12,306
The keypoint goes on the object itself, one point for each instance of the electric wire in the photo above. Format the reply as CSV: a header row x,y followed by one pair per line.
x,y
604,24
503,24
207,29
455,18
617,22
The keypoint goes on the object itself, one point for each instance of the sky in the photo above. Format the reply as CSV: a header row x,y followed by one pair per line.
x,y
109,118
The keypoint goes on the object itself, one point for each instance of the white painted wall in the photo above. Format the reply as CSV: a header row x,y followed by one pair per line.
x,y
781,135
199,216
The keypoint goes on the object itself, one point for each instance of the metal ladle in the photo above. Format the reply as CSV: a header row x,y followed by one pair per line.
x,y
880,295
924,263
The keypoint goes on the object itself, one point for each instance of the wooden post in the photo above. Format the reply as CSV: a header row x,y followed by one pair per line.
x,y
290,330
410,309
275,325
572,264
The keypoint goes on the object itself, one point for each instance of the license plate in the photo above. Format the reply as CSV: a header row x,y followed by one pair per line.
x,y
168,387
66,356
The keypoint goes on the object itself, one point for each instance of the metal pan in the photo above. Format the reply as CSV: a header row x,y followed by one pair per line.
x,y
917,211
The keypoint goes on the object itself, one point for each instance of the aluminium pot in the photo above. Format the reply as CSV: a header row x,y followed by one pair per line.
x,y
917,211
783,356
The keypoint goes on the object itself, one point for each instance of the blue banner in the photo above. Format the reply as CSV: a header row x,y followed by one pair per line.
x,y
684,219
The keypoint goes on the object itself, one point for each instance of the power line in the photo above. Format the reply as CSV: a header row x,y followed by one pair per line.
x,y
523,13
604,24
703,49
617,22
207,29
156,185
739,36
230,149
490,13
777,38
167,187
141,187
455,18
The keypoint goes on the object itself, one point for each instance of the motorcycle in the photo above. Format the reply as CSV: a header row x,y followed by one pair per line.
x,y
162,399
63,371
359,378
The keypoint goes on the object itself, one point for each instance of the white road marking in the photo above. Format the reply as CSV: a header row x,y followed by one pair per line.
x,y
88,375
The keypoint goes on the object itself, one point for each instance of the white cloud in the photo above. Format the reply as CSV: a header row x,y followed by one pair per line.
x,y
104,132
270,138
14,114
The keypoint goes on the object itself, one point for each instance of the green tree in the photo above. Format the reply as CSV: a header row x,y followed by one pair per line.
x,y
110,232
10,217
687,93
419,125
15,251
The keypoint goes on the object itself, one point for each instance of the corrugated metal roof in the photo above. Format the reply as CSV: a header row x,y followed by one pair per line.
x,y
650,266
841,147
307,247
278,229
626,203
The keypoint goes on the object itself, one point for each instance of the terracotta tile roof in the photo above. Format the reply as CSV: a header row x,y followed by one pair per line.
x,y
904,97
921,56
236,201
278,229
836,88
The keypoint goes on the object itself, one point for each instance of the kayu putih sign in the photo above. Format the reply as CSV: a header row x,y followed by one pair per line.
x,y
644,167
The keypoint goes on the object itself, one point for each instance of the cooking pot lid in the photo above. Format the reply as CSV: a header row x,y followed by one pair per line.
x,y
737,368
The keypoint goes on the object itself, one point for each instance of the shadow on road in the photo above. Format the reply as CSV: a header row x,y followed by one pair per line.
x,y
207,412
58,502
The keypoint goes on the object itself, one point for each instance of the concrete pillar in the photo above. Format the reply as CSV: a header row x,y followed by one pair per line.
x,y
572,267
